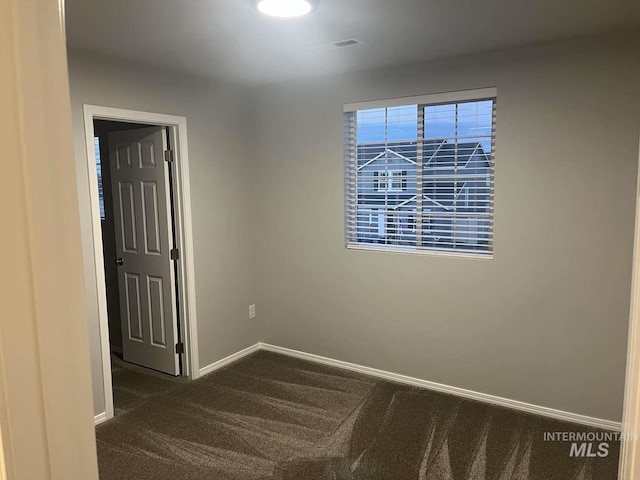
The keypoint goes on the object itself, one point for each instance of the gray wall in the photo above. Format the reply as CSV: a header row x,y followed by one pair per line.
x,y
545,321
219,122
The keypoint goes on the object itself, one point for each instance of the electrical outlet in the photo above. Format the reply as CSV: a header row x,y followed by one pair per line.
x,y
252,312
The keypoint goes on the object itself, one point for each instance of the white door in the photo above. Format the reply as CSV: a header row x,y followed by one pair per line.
x,y
141,198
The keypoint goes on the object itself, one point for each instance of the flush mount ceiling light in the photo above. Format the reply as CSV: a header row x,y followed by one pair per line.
x,y
285,8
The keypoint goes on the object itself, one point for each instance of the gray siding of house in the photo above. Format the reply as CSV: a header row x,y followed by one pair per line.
x,y
387,216
366,176
375,218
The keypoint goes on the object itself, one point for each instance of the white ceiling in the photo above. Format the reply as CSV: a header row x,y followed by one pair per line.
x,y
227,39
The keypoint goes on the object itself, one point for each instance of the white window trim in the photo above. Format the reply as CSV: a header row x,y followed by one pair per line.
x,y
476,95
398,249
434,98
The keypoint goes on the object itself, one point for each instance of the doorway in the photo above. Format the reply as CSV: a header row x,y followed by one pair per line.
x,y
138,237
138,177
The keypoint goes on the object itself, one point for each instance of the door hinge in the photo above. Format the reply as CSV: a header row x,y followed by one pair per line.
x,y
179,347
175,254
168,155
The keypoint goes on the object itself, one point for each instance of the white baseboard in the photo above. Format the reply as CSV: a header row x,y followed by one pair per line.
x,y
438,387
461,392
101,417
231,358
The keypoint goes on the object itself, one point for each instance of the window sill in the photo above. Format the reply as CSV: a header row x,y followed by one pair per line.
x,y
413,251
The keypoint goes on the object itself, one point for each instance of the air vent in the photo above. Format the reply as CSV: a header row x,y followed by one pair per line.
x,y
346,43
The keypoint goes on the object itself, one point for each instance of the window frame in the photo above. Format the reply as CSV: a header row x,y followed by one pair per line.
x,y
351,177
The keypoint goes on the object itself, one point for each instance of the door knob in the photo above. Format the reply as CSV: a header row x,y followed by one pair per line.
x,y
119,261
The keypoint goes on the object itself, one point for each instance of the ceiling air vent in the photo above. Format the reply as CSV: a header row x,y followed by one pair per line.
x,y
346,43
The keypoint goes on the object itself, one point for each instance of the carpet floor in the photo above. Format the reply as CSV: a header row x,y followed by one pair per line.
x,y
133,385
269,416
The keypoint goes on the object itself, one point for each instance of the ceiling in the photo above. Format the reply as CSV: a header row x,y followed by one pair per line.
x,y
229,40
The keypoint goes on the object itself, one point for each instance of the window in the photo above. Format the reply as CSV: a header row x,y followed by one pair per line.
x,y
425,166
411,221
96,146
390,180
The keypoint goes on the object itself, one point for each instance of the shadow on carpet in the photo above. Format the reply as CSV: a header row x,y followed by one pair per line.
x,y
269,416
133,385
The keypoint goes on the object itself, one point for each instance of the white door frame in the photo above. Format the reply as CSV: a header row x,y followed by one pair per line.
x,y
184,237
630,451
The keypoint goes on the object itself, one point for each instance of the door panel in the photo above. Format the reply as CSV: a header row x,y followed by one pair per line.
x,y
157,321
139,178
151,218
133,307
127,217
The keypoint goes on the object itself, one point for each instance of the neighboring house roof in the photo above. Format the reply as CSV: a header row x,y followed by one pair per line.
x,y
414,198
387,151
374,151
434,151
431,150
437,151
439,187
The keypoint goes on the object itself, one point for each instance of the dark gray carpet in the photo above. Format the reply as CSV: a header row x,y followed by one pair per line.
x,y
132,385
269,416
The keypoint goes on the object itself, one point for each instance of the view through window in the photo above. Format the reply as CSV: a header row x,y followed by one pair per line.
x,y
420,176
96,146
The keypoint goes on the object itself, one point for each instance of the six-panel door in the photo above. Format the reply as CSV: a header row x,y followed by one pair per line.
x,y
140,185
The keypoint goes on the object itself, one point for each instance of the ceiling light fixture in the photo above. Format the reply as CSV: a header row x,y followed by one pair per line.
x,y
285,8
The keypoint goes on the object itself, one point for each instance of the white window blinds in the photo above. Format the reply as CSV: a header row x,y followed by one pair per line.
x,y
419,176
